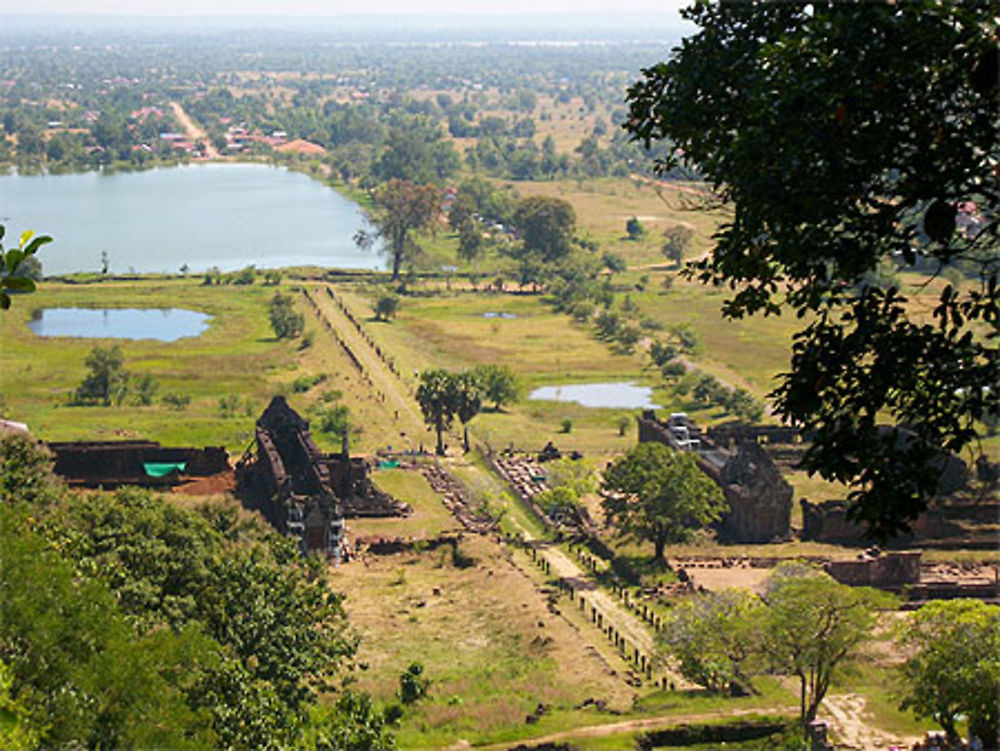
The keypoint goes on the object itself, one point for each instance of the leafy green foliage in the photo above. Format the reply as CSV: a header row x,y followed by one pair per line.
x,y
812,625
386,306
176,401
675,242
229,405
26,472
399,209
714,638
499,385
280,628
354,723
654,493
333,420
417,153
952,669
413,684
304,383
77,664
558,502
285,322
634,229
545,226
17,730
443,396
108,381
245,276
844,136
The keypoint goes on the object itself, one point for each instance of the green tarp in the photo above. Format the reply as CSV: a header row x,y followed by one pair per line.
x,y
388,464
154,469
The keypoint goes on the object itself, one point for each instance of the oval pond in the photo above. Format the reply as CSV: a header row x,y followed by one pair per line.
x,y
162,324
623,395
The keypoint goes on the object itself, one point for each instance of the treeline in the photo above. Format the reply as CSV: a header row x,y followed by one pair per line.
x,y
129,622
98,104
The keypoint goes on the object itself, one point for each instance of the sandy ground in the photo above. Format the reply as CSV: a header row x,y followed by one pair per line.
x,y
852,730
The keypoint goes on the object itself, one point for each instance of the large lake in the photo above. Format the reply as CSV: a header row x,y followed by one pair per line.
x,y
225,215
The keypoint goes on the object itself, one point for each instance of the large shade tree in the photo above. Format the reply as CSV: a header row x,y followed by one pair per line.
x,y
443,396
546,227
953,667
656,494
813,625
399,210
843,136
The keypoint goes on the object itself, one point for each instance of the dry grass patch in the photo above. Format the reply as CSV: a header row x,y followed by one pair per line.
x,y
491,648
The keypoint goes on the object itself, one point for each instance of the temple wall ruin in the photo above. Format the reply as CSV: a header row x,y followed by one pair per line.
x,y
885,571
121,462
760,500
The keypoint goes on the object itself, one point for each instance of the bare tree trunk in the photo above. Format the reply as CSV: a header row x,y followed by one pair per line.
x,y
440,432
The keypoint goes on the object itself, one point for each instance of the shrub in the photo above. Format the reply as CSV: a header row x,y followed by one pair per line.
x,y
245,276
303,383
623,422
229,404
176,401
285,322
386,307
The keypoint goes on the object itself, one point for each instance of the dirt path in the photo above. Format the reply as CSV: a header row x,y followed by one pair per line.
x,y
846,714
397,396
700,192
624,726
194,131
627,624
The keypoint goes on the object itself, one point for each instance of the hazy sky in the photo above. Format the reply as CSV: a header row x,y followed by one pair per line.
x,y
665,10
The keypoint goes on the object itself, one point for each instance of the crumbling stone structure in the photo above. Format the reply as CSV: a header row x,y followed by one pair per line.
x,y
302,491
881,570
759,498
147,463
967,521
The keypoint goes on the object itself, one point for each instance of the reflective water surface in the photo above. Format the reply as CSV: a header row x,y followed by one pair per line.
x,y
623,395
163,324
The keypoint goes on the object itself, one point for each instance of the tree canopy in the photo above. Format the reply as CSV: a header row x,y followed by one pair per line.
x,y
844,135
657,494
400,208
546,227
953,667
132,622
812,625
443,396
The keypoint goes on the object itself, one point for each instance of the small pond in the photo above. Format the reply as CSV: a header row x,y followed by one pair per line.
x,y
624,395
163,324
501,314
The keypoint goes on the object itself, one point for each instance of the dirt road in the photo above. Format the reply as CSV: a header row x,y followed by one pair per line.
x,y
384,380
193,130
627,726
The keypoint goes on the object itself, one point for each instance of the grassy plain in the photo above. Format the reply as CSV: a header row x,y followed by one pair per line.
x,y
494,651
238,356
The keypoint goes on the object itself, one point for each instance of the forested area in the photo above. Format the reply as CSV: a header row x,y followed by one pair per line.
x,y
86,105
131,622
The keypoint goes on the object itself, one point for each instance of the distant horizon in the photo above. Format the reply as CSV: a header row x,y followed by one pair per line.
x,y
332,9
592,25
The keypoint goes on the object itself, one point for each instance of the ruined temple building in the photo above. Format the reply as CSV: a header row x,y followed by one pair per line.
x,y
759,498
302,491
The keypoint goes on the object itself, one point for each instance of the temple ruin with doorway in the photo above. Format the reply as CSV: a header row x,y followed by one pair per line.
x,y
759,498
302,491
